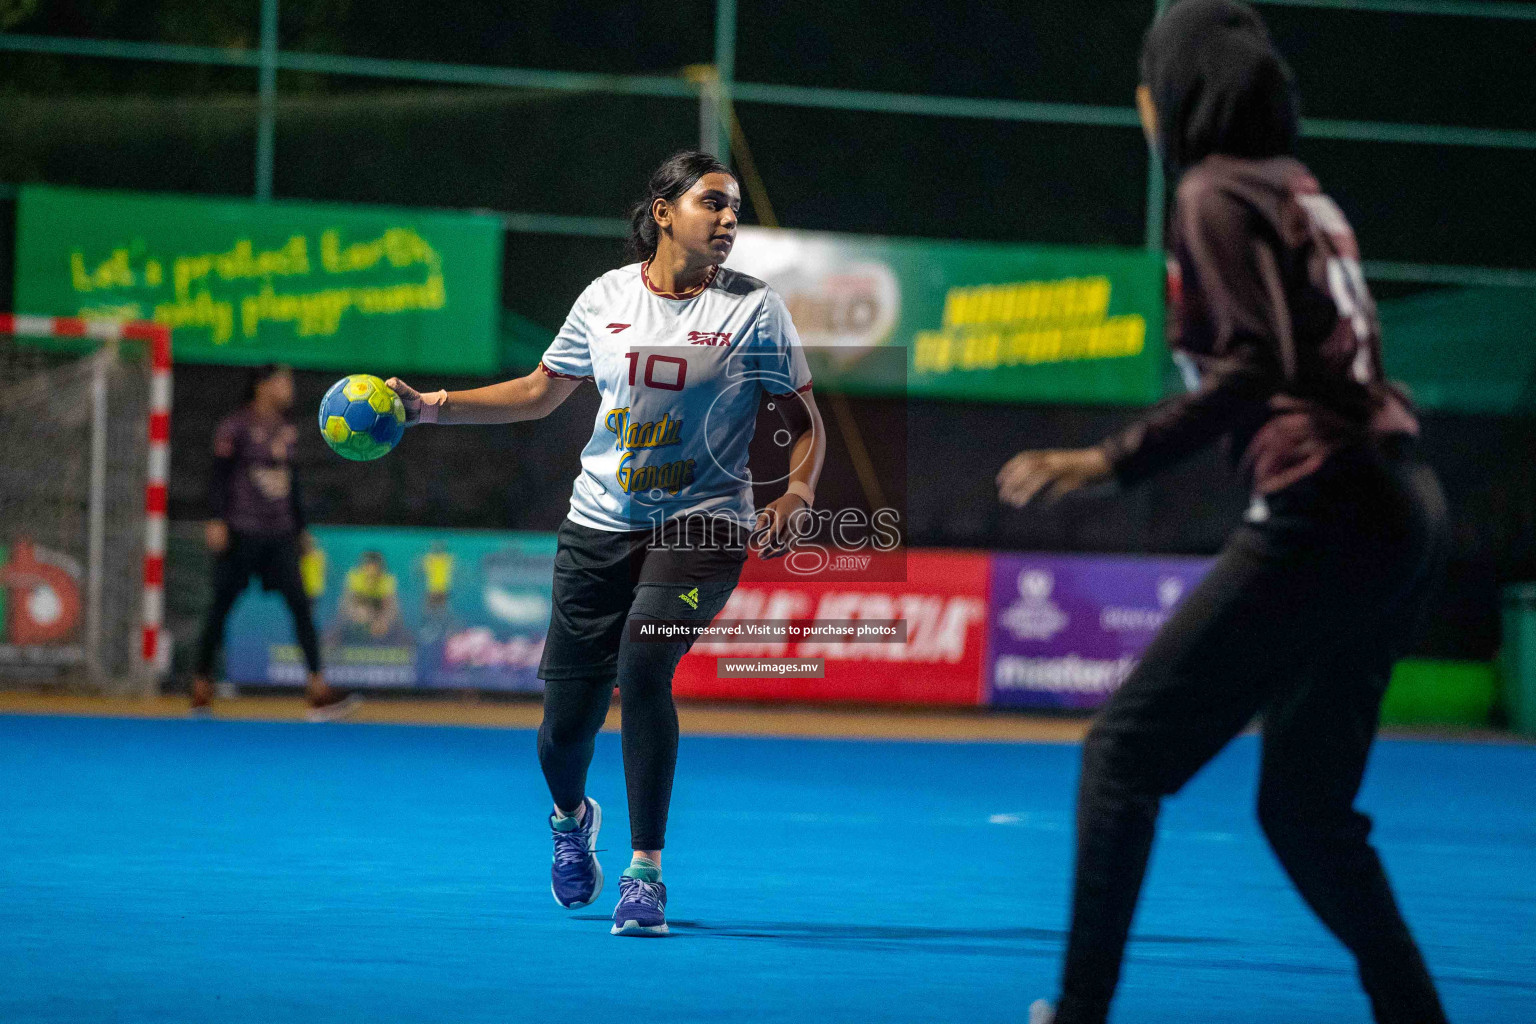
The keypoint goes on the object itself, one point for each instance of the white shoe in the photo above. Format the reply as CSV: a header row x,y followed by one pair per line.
x,y
335,710
1041,1012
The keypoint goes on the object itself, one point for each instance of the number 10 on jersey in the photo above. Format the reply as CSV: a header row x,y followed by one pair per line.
x,y
680,376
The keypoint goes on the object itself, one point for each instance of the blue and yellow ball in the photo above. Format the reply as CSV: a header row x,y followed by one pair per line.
x,y
361,417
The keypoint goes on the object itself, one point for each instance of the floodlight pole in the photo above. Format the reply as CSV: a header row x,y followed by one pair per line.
x,y
709,116
1156,186
704,78
266,117
725,79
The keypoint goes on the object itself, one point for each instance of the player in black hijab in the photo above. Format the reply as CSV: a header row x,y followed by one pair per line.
x,y
1321,587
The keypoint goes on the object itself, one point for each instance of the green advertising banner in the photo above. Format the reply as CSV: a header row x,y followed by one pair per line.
x,y
978,321
1464,349
325,287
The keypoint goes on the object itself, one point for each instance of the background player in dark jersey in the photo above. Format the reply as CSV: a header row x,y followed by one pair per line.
x,y
257,529
1322,586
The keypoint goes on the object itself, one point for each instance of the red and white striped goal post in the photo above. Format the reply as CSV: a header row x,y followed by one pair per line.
x,y
158,339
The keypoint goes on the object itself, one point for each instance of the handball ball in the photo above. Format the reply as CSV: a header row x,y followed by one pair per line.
x,y
361,418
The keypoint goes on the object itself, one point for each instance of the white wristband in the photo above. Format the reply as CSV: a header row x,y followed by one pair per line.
x,y
803,492
432,404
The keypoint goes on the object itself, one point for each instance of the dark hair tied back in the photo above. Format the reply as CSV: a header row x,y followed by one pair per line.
x,y
676,175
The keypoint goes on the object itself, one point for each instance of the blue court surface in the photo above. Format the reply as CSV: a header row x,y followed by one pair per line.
x,y
249,872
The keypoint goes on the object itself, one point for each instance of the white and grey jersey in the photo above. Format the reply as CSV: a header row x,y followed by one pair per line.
x,y
681,378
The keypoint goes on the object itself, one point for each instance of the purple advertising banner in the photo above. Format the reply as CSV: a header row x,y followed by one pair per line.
x,y
1066,630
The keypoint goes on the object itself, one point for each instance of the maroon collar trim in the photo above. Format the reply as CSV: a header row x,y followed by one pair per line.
x,y
690,293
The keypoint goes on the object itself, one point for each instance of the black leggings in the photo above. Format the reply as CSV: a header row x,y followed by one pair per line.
x,y
603,583
274,561
1299,623
574,711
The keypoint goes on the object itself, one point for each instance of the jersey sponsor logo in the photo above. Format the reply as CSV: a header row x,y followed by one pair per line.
x,y
691,598
616,327
630,436
709,338
671,477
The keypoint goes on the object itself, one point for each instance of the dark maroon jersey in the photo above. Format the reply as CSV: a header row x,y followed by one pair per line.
x,y
254,490
1271,319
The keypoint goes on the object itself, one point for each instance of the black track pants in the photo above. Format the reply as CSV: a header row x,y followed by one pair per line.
x,y
1298,623
603,583
274,561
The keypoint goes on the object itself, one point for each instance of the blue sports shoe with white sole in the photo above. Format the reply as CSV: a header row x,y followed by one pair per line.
x,y
642,908
575,877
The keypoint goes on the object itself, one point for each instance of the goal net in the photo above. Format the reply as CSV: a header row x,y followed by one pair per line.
x,y
85,422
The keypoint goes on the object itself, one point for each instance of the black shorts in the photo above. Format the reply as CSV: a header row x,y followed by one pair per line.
x,y
273,560
602,578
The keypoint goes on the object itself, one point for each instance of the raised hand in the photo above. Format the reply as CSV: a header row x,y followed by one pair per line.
x,y
1049,474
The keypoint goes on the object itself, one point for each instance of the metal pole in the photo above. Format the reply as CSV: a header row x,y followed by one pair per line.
x,y
707,81
96,511
709,117
266,123
1156,188
725,74
1156,185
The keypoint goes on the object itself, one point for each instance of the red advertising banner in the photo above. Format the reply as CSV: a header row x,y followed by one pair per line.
x,y
943,602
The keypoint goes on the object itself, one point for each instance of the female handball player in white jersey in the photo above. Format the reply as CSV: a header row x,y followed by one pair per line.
x,y
682,351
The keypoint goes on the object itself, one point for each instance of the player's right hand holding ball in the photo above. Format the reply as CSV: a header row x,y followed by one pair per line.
x,y
419,408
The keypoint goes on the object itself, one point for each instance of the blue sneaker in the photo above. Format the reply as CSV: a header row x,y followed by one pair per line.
x,y
642,908
576,877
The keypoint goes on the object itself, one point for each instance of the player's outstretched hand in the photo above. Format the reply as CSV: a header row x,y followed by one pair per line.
x,y
1050,474
409,397
771,534
419,408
